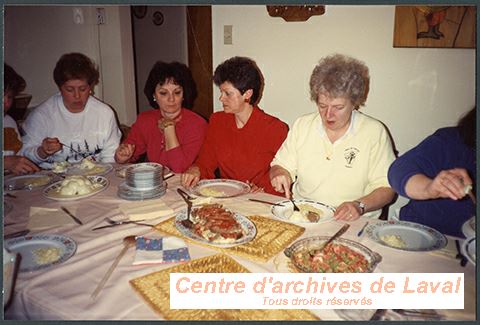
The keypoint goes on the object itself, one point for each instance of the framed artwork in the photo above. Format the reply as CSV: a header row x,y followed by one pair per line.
x,y
435,26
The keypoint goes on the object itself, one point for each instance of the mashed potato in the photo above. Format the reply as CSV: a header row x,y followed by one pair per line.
x,y
207,191
87,164
393,241
77,185
301,216
60,166
46,255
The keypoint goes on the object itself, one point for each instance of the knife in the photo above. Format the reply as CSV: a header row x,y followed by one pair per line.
x,y
71,215
123,223
266,202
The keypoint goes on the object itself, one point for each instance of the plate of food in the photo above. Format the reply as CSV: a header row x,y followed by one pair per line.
x,y
89,168
468,227
468,249
27,182
340,256
408,236
76,187
214,225
41,251
310,211
220,188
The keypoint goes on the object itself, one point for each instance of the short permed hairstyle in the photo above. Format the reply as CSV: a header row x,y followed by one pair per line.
x,y
340,76
175,72
243,73
75,66
12,81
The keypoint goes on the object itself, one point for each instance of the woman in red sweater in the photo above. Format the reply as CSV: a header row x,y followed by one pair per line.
x,y
242,140
171,134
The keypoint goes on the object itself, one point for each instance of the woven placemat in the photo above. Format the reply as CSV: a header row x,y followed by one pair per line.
x,y
272,237
155,289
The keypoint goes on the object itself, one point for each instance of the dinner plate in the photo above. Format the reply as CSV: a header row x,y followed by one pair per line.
x,y
415,236
248,226
285,211
468,249
51,191
29,246
468,227
27,182
122,171
220,188
98,170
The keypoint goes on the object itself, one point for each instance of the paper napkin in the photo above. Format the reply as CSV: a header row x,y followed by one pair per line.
x,y
159,250
42,218
145,210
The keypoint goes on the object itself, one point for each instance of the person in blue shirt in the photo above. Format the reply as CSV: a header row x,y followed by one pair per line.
x,y
436,176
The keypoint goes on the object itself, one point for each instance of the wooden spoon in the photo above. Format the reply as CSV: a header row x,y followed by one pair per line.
x,y
128,242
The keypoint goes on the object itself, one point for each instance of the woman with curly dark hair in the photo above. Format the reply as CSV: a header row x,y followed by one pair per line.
x,y
242,140
72,124
171,134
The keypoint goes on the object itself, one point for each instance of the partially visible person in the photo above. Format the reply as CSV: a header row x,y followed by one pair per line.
x,y
337,155
435,175
72,124
242,140
171,134
13,84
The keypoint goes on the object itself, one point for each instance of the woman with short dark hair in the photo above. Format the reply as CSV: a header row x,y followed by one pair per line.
x,y
242,140
72,124
171,134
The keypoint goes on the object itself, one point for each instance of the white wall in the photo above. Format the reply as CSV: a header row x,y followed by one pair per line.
x,y
413,90
36,37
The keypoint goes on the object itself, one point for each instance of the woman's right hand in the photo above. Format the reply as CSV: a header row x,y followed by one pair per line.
x,y
190,177
281,180
49,147
124,152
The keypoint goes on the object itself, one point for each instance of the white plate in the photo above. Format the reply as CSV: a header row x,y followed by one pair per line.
x,y
220,188
248,226
284,212
468,249
52,193
26,246
417,237
99,169
122,171
27,182
468,228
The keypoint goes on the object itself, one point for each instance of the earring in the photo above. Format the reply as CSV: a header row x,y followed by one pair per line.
x,y
154,99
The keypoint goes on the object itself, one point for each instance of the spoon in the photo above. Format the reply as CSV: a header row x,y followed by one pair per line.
x,y
128,242
342,230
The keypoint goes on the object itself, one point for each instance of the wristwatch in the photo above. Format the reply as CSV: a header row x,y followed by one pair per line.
x,y
361,205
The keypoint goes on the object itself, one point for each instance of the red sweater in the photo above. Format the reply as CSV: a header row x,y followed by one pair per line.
x,y
242,154
147,137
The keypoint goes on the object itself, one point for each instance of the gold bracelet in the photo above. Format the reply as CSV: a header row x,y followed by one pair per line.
x,y
166,123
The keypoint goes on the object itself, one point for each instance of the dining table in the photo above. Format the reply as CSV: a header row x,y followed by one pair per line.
x,y
63,291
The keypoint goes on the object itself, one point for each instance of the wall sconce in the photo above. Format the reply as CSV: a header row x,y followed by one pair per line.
x,y
295,13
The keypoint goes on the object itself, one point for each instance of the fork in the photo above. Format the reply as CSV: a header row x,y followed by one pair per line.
x,y
187,198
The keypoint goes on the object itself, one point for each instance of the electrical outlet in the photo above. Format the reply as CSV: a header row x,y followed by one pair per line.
x,y
101,17
227,34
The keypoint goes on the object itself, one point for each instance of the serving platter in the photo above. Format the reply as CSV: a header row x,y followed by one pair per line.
x,y
284,210
99,170
27,246
468,249
468,228
220,188
51,191
27,182
415,236
248,227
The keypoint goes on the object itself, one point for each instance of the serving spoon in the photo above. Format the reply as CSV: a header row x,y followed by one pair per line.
x,y
340,232
128,242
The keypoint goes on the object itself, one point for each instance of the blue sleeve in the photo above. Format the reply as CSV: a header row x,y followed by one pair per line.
x,y
427,158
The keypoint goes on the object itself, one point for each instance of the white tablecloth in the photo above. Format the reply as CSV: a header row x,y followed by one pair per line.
x,y
63,291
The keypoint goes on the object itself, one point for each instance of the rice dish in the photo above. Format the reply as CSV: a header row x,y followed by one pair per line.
x,y
46,255
208,191
87,164
60,166
303,214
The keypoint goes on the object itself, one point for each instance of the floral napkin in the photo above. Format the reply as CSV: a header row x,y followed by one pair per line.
x,y
159,250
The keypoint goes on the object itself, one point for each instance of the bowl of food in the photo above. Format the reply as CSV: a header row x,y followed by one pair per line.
x,y
340,256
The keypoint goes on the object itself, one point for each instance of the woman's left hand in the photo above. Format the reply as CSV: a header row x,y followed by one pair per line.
x,y
347,211
165,123
254,188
